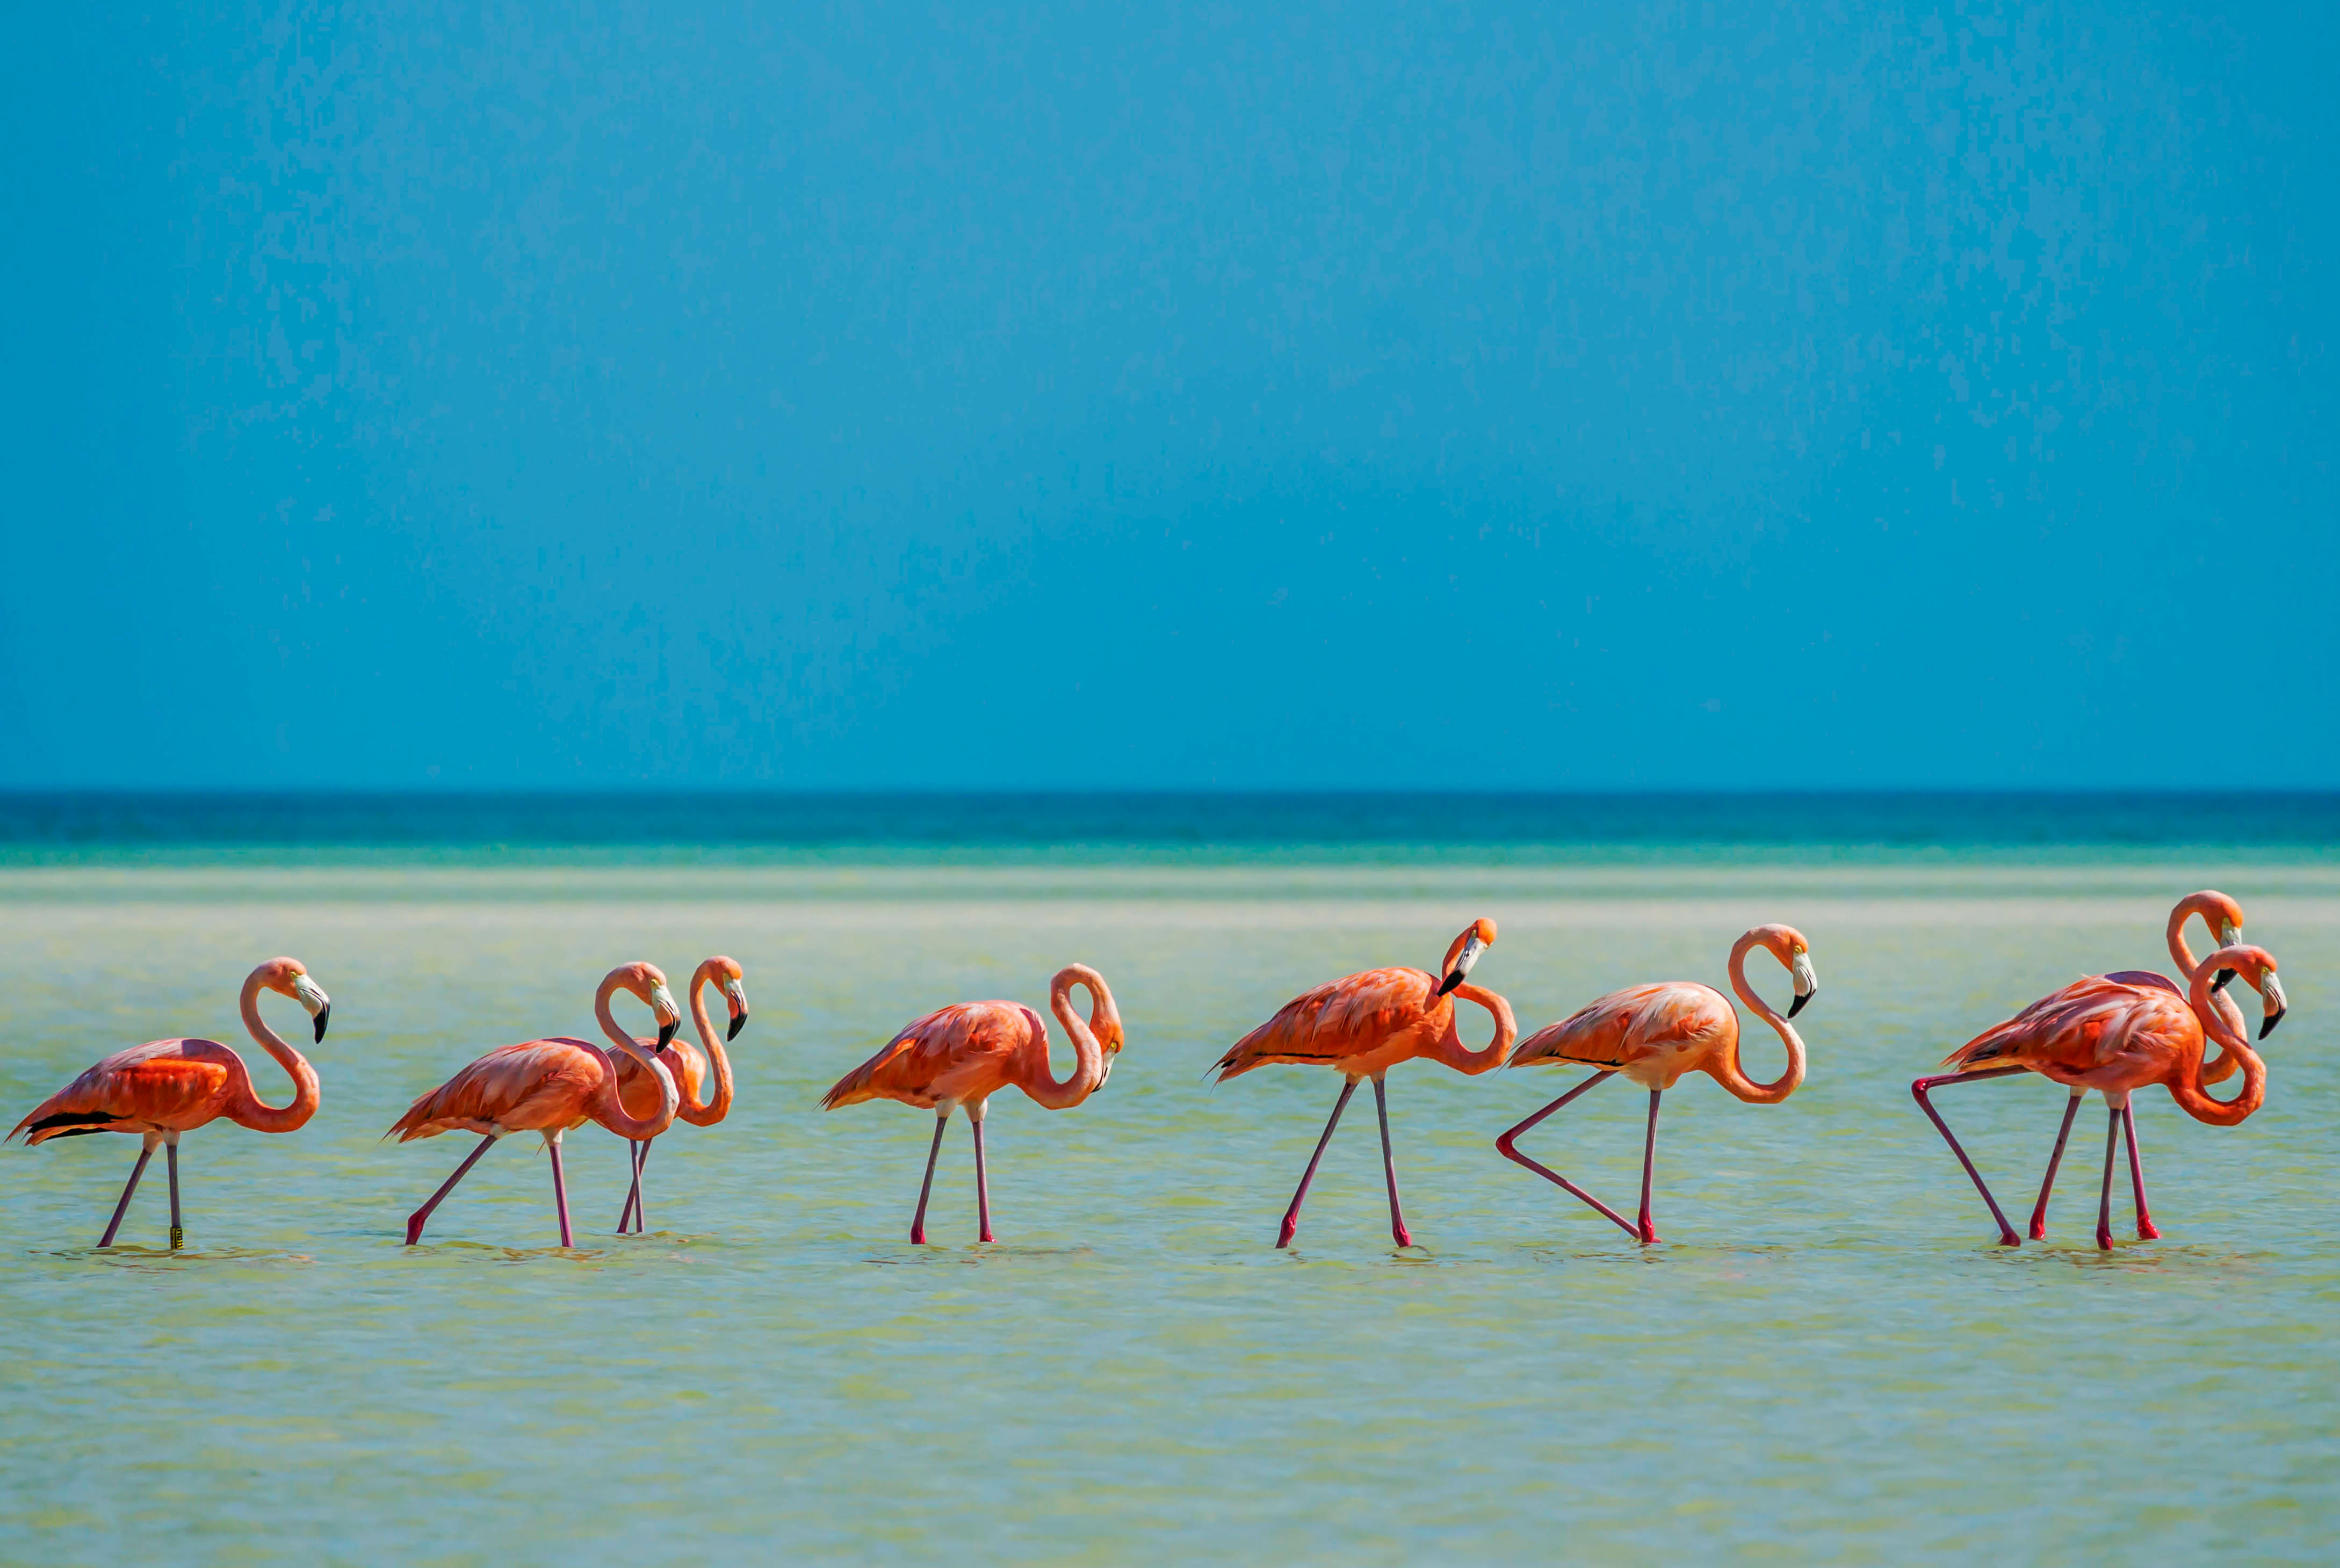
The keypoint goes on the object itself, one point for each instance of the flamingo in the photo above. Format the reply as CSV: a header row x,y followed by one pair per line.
x,y
2224,919
689,1070
1363,1025
966,1053
165,1088
1655,1034
2118,1034
549,1086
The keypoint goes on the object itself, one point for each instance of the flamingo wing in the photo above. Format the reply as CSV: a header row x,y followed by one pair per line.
x,y
162,1083
920,1066
2079,1028
1624,1027
536,1085
1339,1020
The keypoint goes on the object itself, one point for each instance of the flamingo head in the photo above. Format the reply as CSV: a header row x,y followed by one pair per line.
x,y
1105,1017
1787,944
2256,966
728,974
1476,939
648,983
290,978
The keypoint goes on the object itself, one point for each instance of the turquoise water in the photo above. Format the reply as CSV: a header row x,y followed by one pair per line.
x,y
1824,1362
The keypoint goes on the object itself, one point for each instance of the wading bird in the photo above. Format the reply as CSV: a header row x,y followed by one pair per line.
x,y
2224,919
2116,1035
1363,1025
165,1088
688,1066
964,1054
1654,1034
549,1086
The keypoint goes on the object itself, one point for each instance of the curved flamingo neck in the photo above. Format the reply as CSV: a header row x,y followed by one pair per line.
x,y
2185,1082
1726,1070
1497,1051
697,1113
253,1112
2182,955
606,1107
1088,1056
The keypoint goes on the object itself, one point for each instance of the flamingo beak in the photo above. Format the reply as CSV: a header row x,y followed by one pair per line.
x,y
1464,960
670,1017
736,995
2220,982
320,1006
1807,985
2271,991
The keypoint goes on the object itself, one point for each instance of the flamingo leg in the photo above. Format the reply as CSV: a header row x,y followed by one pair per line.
x,y
127,1188
1292,1215
1649,1231
2105,1194
1389,1168
982,1185
1919,1091
2048,1182
633,1209
1507,1146
414,1222
927,1187
559,1189
171,1161
2145,1228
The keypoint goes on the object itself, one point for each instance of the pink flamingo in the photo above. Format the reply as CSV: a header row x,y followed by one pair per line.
x,y
2116,1035
2224,919
549,1086
1654,1034
1363,1025
689,1070
165,1088
966,1053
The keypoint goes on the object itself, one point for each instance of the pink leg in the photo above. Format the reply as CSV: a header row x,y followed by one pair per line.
x,y
171,1160
414,1221
560,1191
1389,1168
927,1187
633,1209
1918,1090
2146,1230
1648,1160
127,1188
1292,1215
982,1186
1507,1145
2048,1182
2104,1194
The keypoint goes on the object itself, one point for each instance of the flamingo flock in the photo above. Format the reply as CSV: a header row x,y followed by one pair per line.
x,y
2111,1034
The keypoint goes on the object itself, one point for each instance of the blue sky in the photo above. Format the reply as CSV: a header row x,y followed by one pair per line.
x,y
1368,396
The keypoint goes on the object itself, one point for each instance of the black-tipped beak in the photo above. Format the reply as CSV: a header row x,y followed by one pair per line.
x,y
666,1033
1447,985
2267,1024
739,1022
2219,983
322,1013
1798,1005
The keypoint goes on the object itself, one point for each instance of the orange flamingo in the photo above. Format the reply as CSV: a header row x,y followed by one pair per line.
x,y
689,1067
966,1053
1654,1034
2116,1035
165,1088
549,1086
2224,919
1362,1025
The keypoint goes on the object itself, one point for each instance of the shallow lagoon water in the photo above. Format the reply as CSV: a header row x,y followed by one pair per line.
x,y
1825,1361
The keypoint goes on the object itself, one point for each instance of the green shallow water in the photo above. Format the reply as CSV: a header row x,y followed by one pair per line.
x,y
1824,1362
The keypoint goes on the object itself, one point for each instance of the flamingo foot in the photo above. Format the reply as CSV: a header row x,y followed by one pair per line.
x,y
2145,1229
178,1238
1648,1233
918,1235
415,1227
1404,1236
2103,1241
1286,1232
